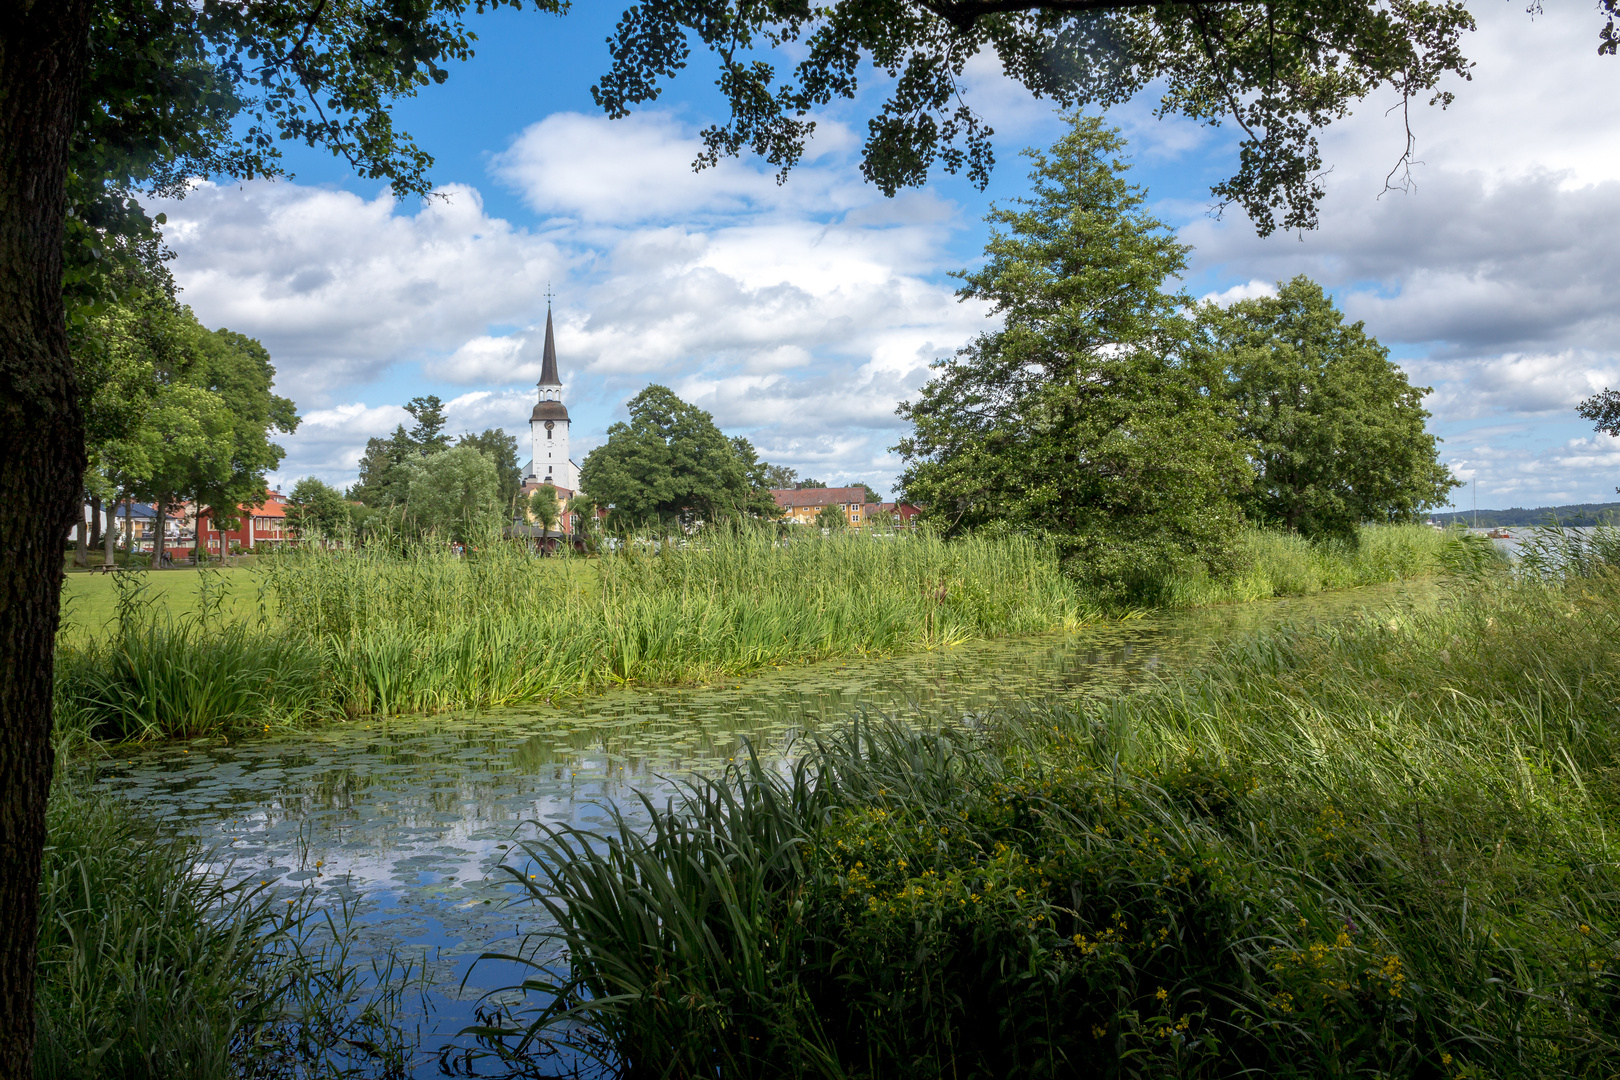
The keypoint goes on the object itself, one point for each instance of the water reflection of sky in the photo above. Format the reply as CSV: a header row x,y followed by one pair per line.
x,y
410,819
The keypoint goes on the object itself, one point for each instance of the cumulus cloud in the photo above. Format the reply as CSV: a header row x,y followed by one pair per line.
x,y
798,315
339,287
1248,290
639,168
1527,384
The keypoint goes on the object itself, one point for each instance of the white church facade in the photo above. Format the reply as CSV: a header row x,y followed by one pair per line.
x,y
548,427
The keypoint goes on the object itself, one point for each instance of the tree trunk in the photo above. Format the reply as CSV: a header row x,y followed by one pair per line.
x,y
160,510
43,47
95,521
81,538
129,531
109,537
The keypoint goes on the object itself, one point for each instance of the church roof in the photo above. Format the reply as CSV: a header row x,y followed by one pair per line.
x,y
549,410
548,360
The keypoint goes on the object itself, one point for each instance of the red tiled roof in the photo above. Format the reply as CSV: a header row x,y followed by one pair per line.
x,y
274,506
796,498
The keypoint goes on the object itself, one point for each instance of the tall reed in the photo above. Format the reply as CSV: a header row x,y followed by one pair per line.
x,y
424,630
155,675
409,629
1274,563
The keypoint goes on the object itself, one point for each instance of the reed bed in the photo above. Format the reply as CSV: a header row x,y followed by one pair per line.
x,y
388,630
1378,849
424,630
1276,563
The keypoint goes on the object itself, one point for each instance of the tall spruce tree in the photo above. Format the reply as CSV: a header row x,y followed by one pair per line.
x,y
1081,416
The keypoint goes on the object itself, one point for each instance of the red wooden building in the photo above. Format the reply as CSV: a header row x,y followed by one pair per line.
x,y
258,525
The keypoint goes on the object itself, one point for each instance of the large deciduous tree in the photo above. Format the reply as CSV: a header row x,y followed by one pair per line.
x,y
1080,417
455,494
1603,409
502,449
316,510
670,464
1334,430
1277,71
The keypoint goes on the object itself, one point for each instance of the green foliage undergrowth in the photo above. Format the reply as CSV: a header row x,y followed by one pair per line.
x,y
412,629
1275,563
421,630
1379,849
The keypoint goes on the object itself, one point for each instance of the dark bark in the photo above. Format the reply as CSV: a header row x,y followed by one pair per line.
x,y
43,46
160,509
81,539
95,521
108,538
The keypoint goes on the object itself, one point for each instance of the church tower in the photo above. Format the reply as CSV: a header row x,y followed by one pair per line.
x,y
548,426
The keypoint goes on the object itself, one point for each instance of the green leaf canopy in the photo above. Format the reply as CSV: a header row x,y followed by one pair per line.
x,y
670,464
1335,432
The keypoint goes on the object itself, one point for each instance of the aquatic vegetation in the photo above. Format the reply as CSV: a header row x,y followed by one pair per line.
x,y
150,966
422,630
1274,563
1378,848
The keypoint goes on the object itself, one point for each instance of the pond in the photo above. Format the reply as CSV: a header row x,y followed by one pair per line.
x,y
408,820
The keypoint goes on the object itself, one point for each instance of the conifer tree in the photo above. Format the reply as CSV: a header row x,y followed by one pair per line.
x,y
1081,417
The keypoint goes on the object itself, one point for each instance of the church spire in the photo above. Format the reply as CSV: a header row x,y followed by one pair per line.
x,y
548,361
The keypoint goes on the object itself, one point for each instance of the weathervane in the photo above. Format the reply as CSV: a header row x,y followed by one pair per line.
x,y
549,295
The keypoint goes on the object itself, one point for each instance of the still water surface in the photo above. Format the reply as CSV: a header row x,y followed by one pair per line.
x,y
409,819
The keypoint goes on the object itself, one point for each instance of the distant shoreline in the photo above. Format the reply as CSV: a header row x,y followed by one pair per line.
x,y
1572,514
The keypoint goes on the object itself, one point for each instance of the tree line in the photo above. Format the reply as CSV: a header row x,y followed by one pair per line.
x,y
417,480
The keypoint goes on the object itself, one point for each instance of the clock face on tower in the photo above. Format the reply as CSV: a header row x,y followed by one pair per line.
x,y
549,425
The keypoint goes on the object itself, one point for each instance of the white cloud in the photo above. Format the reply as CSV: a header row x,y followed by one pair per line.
x,y
1526,384
799,315
639,168
339,287
1248,290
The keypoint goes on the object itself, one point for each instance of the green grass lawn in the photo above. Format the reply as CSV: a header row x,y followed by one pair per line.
x,y
90,601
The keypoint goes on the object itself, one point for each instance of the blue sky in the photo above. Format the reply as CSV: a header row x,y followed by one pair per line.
x,y
800,314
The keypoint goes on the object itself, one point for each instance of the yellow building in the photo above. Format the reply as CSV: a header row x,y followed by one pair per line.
x,y
801,505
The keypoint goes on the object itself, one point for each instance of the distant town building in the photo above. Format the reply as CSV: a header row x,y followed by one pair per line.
x,y
893,513
567,520
548,426
801,505
265,523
